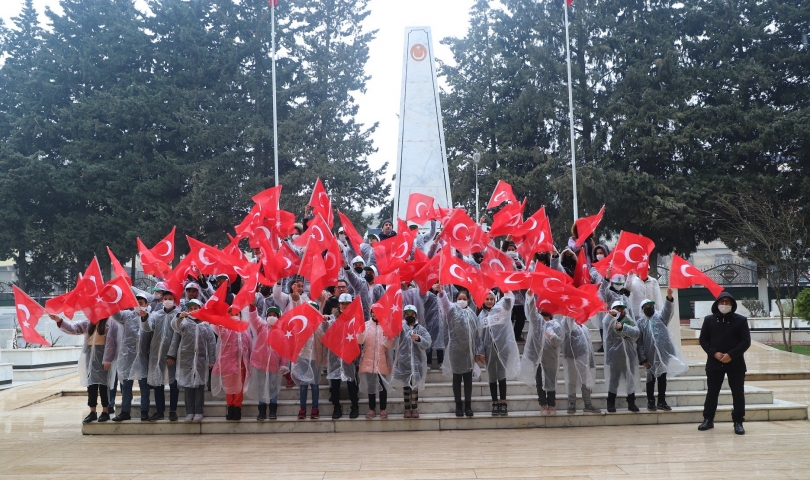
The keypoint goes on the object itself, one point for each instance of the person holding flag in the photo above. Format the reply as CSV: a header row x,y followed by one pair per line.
x,y
230,371
500,349
196,354
541,355
434,323
464,348
621,356
410,363
158,323
338,369
375,365
129,322
97,363
578,365
267,368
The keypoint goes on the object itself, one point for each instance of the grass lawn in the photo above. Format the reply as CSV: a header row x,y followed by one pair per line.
x,y
800,349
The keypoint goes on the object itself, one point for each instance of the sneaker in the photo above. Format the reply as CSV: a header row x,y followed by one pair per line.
x,y
111,409
551,411
314,414
543,409
414,413
354,412
302,414
651,406
591,409
468,412
189,418
383,414
495,410
502,410
572,408
337,412
198,418
664,406
371,414
172,416
92,417
144,416
601,350
157,416
121,417
407,413
104,417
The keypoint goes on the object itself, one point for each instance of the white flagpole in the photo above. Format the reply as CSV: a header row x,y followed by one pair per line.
x,y
571,114
275,112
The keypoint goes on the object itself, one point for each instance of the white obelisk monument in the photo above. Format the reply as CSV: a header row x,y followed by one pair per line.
x,y
421,155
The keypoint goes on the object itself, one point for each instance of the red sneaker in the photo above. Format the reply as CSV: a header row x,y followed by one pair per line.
x,y
302,414
314,415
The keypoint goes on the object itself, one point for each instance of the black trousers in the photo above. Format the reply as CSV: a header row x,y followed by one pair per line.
x,y
372,397
519,319
467,378
545,398
736,381
93,391
334,392
495,388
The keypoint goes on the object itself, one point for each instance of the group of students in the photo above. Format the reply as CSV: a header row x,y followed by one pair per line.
x,y
161,343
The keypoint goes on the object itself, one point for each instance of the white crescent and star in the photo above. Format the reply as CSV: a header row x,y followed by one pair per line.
x,y
320,233
550,279
509,278
453,273
330,257
455,230
499,195
304,322
629,250
203,258
402,251
420,204
494,262
169,248
118,293
684,268
534,225
24,308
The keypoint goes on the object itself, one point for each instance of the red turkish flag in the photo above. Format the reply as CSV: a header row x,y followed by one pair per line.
x,y
351,233
313,268
632,254
407,272
233,250
582,275
456,272
586,226
496,261
118,269
508,220
463,233
568,3
502,193
291,332
268,199
176,281
683,274
602,265
209,260
428,275
150,263
420,209
88,288
341,338
274,3
217,312
115,296
164,250
579,304
321,204
549,280
511,281
392,253
250,280
388,311
333,262
28,314
317,231
287,261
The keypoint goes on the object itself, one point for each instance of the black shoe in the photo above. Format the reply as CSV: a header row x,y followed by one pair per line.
x,y
738,428
611,402
503,409
262,413
520,339
468,412
631,403
172,416
144,416
664,406
496,410
459,410
237,413
229,413
601,350
111,409
92,417
104,417
337,412
354,412
273,410
121,417
157,416
651,405
706,425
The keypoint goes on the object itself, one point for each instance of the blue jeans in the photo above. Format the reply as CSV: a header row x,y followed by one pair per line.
x,y
144,387
160,396
273,400
126,395
316,391
113,388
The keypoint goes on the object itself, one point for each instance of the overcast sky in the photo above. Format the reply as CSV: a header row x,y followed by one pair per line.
x,y
390,17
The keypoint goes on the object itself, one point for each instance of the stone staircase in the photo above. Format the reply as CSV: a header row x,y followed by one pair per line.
x,y
685,394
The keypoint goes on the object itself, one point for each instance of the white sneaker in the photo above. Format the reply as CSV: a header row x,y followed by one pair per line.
x,y
189,417
198,418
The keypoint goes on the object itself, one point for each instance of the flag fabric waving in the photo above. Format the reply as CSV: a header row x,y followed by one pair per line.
x,y
341,337
420,209
118,269
581,275
291,332
217,312
28,314
632,254
502,193
313,269
388,311
586,226
321,204
351,233
683,274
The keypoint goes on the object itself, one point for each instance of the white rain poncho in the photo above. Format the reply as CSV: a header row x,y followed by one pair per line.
x,y
498,338
336,368
196,351
376,359
267,368
307,367
410,357
621,356
655,345
128,342
159,323
543,346
99,347
434,320
233,358
464,343
641,290
577,350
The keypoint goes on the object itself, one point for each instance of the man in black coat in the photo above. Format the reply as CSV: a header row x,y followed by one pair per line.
x,y
725,338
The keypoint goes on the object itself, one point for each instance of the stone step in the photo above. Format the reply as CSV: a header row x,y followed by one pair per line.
x,y
777,410
45,373
480,403
6,373
695,369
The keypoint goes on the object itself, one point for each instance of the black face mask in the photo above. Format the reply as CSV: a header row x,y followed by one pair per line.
x,y
410,319
369,277
358,269
266,291
649,311
543,257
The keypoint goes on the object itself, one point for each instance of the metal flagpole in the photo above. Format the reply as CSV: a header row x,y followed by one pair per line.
x,y
273,5
570,114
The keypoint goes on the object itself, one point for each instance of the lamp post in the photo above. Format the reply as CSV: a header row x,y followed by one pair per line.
x,y
476,158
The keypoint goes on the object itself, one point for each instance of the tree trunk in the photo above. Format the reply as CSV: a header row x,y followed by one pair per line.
x,y
22,269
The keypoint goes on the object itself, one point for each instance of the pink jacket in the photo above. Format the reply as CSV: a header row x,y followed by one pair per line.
x,y
263,357
233,351
375,350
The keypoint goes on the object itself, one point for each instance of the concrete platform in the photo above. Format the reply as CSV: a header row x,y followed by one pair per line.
x,y
45,373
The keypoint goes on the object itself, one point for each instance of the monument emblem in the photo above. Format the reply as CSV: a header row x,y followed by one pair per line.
x,y
418,52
